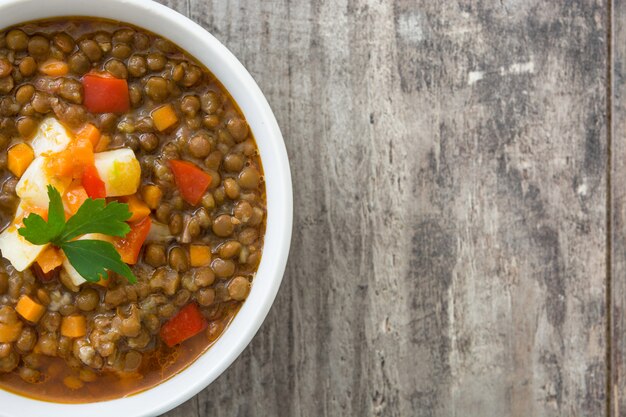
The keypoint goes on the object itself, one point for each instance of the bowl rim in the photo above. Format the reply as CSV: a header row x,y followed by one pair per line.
x,y
172,25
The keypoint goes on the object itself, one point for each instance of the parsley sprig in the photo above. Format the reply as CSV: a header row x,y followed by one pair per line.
x,y
91,258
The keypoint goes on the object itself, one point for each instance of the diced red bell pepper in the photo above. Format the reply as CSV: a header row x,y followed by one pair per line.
x,y
104,94
129,246
191,181
187,323
93,184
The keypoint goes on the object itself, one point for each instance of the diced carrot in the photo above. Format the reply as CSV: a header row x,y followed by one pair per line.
x,y
199,255
74,326
138,208
103,143
54,68
19,158
73,382
164,117
82,151
49,259
61,164
152,195
74,197
29,309
89,132
10,332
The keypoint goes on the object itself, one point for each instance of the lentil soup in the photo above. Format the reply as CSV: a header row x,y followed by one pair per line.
x,y
130,138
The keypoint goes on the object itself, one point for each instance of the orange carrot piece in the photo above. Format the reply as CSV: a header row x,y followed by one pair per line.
x,y
82,151
89,132
164,117
10,332
152,195
103,143
74,326
138,208
49,259
54,68
199,255
29,309
61,164
19,158
73,382
74,197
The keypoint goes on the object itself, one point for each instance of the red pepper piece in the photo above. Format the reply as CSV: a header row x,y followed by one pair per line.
x,y
191,181
105,94
129,246
92,183
187,323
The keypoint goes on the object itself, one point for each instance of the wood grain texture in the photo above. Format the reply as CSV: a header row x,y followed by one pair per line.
x,y
618,210
450,184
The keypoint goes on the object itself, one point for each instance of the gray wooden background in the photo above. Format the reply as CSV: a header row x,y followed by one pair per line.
x,y
459,173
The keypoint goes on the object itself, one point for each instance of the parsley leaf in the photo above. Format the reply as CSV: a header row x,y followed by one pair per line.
x,y
92,258
37,231
96,217
56,212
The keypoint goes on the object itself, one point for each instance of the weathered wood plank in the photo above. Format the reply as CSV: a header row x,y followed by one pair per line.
x,y
449,181
618,210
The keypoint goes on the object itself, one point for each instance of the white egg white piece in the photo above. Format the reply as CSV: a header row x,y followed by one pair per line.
x,y
51,137
32,186
119,170
75,277
17,250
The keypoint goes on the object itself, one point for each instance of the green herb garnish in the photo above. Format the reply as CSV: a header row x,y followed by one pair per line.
x,y
90,258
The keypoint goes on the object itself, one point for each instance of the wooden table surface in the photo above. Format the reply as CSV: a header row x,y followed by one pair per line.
x,y
459,174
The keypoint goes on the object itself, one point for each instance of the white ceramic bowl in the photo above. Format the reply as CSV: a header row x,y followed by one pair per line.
x,y
203,46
